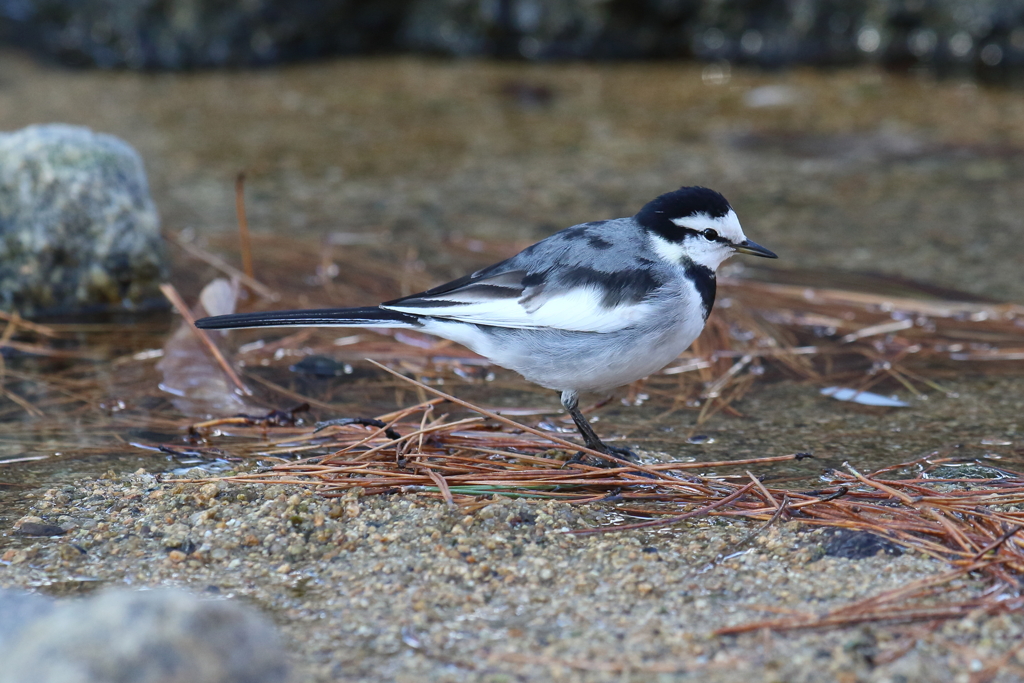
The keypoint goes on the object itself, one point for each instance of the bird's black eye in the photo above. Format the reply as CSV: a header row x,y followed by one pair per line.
x,y
710,235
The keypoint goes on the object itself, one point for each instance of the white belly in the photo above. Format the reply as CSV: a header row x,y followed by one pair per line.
x,y
581,361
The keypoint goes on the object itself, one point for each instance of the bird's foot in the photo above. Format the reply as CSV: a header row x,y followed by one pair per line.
x,y
618,452
624,454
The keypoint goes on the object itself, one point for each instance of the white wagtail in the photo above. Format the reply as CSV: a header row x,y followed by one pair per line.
x,y
591,308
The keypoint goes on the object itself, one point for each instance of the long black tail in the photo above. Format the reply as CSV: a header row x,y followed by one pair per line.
x,y
367,316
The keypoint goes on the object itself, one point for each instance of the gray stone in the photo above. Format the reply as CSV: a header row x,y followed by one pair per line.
x,y
17,610
159,636
78,229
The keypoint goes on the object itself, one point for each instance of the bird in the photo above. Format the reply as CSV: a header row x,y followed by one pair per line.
x,y
591,308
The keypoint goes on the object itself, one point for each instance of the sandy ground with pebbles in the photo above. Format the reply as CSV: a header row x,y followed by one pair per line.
x,y
401,588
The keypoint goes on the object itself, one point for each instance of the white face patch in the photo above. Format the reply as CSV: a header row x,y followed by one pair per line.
x,y
672,252
728,226
699,249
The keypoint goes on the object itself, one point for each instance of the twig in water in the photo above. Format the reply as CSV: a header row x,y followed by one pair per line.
x,y
243,225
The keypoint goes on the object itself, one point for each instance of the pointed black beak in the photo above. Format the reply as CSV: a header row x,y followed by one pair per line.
x,y
754,249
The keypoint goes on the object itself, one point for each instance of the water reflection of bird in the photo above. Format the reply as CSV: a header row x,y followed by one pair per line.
x,y
591,308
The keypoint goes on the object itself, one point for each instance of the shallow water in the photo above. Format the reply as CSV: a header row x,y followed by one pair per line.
x,y
414,160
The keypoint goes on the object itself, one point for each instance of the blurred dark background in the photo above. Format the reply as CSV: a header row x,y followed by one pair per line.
x,y
985,39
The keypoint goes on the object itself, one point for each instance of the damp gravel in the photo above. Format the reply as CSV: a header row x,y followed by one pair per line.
x,y
405,589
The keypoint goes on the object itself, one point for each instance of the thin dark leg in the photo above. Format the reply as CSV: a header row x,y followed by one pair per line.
x,y
570,401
